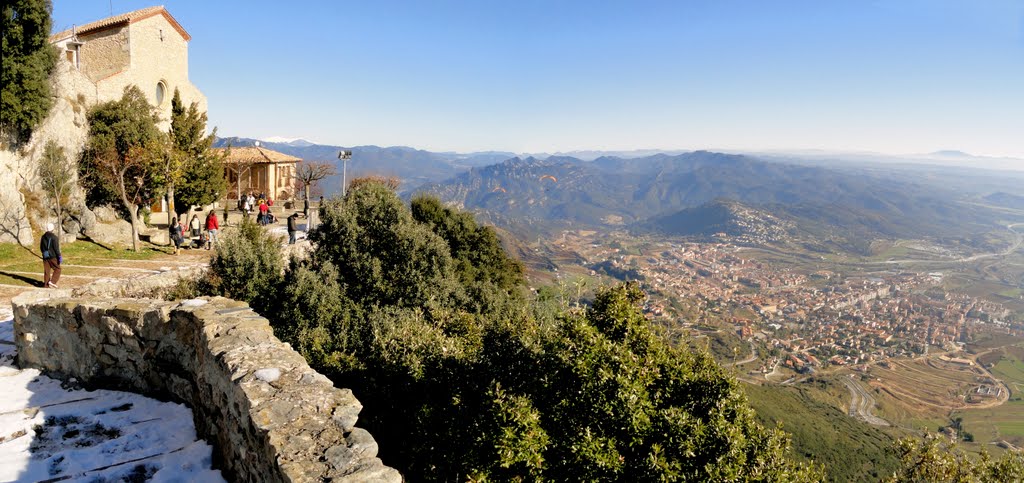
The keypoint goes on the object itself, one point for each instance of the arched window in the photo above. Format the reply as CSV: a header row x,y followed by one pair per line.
x,y
161,90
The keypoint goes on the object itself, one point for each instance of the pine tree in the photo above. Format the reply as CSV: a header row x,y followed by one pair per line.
x,y
194,175
27,61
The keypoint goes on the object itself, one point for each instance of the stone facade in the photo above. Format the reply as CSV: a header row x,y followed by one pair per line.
x,y
146,48
269,415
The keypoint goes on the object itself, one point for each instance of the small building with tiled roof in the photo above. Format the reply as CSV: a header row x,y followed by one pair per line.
x,y
258,170
146,47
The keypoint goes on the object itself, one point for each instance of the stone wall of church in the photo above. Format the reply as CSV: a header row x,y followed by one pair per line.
x,y
269,415
104,53
159,55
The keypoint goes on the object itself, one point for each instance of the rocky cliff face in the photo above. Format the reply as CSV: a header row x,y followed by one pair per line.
x,y
24,207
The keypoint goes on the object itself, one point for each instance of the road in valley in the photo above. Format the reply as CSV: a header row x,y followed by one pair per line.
x,y
753,355
861,403
1018,241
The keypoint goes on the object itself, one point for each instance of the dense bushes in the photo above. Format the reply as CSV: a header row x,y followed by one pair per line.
x,y
247,266
424,316
938,461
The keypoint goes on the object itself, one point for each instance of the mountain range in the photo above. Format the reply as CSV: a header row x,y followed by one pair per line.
x,y
662,193
837,202
412,166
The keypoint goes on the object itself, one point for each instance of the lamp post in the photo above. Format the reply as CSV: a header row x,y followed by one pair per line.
x,y
344,155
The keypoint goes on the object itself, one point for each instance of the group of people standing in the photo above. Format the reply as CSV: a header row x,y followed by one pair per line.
x,y
200,234
262,205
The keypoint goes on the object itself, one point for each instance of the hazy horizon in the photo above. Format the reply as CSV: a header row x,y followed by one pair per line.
x,y
894,78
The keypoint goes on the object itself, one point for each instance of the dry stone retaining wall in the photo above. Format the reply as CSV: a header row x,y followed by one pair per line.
x,y
268,414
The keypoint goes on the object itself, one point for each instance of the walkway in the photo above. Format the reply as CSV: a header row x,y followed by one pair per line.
x,y
54,431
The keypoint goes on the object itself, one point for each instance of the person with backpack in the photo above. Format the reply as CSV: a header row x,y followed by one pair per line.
x,y
49,245
175,232
292,227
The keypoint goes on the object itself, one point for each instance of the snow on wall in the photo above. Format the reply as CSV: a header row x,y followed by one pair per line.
x,y
269,416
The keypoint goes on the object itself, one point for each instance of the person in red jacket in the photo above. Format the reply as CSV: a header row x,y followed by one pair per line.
x,y
212,228
263,212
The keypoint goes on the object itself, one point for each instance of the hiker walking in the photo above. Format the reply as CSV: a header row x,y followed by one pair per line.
x,y
49,245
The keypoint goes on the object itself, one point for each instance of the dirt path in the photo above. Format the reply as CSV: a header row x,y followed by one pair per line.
x,y
81,274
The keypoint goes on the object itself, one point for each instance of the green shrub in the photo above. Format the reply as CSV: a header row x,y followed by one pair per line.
x,y
424,318
248,266
938,461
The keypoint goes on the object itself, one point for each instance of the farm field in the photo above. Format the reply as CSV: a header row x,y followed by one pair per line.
x,y
1005,422
932,385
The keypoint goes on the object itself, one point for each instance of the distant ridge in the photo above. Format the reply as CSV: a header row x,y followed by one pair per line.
x,y
951,153
413,167
841,207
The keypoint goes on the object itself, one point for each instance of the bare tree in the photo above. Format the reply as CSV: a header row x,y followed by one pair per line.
x,y
132,180
13,222
237,168
55,174
309,173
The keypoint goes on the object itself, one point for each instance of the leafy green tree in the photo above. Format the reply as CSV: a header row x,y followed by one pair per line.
x,y
476,249
122,158
934,460
248,266
383,256
27,61
455,389
55,174
193,173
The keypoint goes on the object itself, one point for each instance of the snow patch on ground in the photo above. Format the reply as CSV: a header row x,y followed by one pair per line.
x,y
50,430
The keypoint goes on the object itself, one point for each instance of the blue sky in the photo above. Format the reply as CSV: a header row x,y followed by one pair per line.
x,y
542,76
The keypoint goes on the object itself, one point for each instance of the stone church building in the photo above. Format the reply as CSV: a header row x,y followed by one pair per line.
x,y
147,48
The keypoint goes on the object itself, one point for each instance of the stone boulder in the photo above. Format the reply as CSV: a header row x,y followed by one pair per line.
x,y
116,233
106,214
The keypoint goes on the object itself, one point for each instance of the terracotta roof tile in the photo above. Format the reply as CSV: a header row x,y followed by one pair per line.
x,y
124,18
252,154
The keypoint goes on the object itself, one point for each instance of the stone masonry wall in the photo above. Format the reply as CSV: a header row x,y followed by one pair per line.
x,y
104,53
269,415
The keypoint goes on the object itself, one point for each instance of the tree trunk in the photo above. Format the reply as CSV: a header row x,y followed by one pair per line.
x,y
305,190
133,212
60,221
170,202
